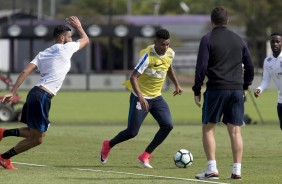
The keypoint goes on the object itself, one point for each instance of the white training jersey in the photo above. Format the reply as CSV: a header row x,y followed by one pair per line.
x,y
272,68
53,64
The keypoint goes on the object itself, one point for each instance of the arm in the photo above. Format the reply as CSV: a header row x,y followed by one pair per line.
x,y
248,68
171,75
201,69
134,82
75,23
265,81
29,69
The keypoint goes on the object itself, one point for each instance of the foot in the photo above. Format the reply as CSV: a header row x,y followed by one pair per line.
x,y
235,177
6,163
208,175
1,133
106,148
144,160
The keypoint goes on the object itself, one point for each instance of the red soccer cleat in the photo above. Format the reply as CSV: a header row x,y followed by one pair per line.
x,y
106,148
6,163
144,159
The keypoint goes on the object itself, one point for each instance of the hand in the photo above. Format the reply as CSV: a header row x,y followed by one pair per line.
x,y
6,98
197,100
245,93
74,22
144,104
257,92
178,91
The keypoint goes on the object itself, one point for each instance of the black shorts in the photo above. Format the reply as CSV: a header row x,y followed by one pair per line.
x,y
35,111
226,103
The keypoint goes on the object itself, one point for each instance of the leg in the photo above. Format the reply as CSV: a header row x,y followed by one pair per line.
x,y
237,149
209,143
236,142
160,111
17,132
24,132
213,106
135,120
35,138
279,112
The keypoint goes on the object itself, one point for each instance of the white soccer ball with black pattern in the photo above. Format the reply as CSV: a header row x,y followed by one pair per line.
x,y
183,158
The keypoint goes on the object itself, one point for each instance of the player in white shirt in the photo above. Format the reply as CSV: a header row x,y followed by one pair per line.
x,y
272,68
53,64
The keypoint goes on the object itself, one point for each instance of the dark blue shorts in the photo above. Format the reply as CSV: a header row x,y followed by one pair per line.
x,y
35,111
225,104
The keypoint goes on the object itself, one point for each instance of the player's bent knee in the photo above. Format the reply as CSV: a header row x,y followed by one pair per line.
x,y
168,128
132,134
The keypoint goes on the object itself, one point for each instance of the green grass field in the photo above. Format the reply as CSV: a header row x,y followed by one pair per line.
x,y
112,107
82,120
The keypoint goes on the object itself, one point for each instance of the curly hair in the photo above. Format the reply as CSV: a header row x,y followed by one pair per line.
x,y
276,34
61,29
162,34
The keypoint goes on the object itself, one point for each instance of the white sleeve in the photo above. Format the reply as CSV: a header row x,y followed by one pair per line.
x,y
72,47
265,78
35,60
143,63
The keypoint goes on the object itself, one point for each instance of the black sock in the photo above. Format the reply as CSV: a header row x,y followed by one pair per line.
x,y
11,132
10,153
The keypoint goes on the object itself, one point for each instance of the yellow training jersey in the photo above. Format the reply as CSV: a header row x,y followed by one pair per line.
x,y
153,69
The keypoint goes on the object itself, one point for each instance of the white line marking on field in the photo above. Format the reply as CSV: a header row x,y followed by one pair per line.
x,y
134,174
148,175
36,165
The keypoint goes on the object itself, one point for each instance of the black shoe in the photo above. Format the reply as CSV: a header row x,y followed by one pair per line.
x,y
235,177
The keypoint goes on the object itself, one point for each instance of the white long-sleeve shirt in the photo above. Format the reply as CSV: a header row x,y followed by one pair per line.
x,y
272,68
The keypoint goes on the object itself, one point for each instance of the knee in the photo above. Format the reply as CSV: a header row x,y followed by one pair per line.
x,y
132,134
168,127
36,141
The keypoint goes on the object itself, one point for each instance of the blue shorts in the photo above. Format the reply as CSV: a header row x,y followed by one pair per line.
x,y
157,107
35,111
226,103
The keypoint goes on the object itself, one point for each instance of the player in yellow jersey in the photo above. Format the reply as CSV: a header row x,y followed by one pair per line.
x,y
145,84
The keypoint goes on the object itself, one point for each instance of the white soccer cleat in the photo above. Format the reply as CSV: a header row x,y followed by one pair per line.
x,y
214,175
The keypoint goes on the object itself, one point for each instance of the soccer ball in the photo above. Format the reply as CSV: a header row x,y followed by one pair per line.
x,y
183,158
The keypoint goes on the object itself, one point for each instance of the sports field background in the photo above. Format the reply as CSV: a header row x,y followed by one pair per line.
x,y
112,107
82,120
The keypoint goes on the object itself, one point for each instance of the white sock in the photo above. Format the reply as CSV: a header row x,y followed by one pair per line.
x,y
212,165
236,168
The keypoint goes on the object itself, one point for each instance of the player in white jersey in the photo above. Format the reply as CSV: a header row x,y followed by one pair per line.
x,y
53,64
272,68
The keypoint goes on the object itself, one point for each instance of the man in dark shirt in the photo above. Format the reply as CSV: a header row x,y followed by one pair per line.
x,y
222,57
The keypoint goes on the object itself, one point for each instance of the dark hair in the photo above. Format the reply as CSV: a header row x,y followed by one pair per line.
x,y
219,16
162,34
276,34
61,29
